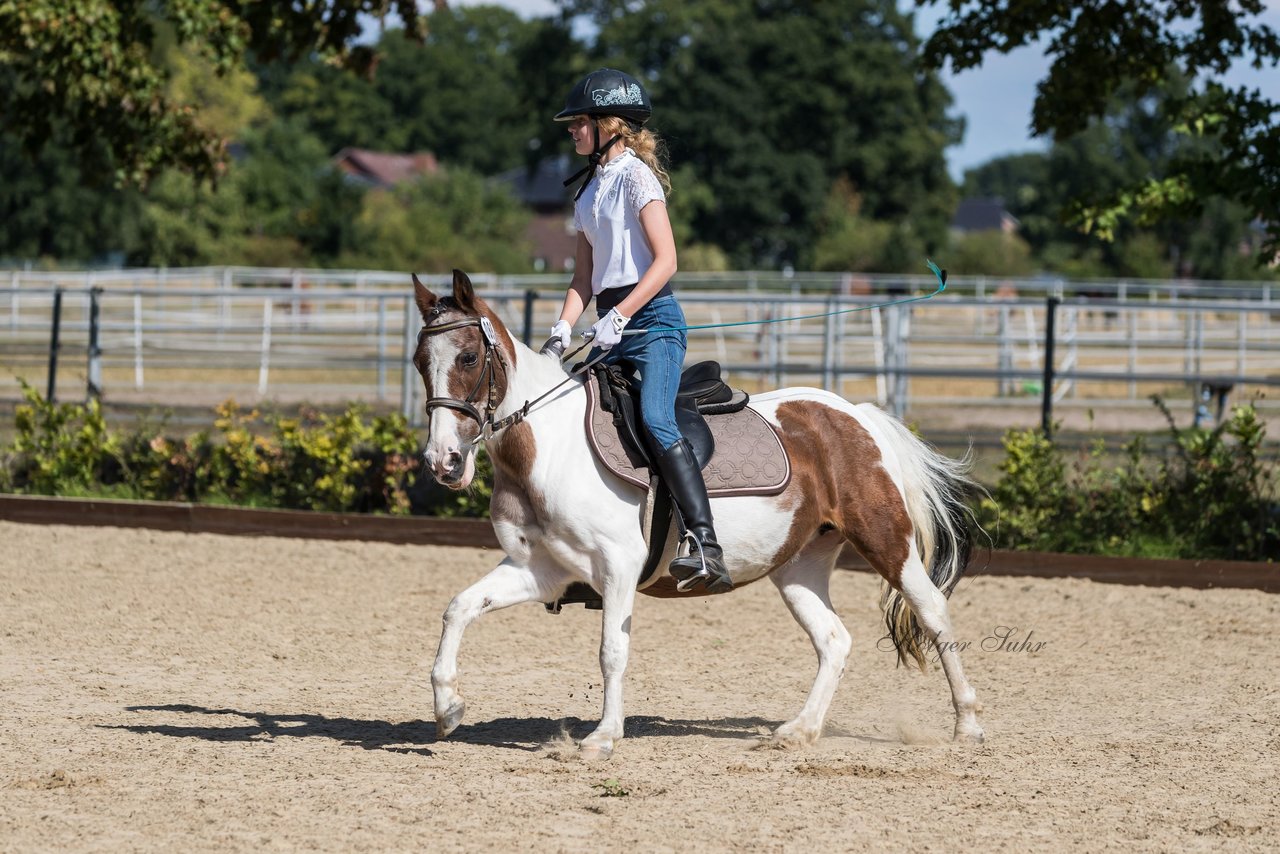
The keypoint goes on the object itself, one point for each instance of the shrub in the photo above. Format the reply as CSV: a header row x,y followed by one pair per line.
x,y
1211,496
311,461
57,446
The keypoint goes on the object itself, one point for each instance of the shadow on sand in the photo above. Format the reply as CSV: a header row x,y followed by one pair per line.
x,y
530,734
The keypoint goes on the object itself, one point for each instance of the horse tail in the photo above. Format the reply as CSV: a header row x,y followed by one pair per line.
x,y
934,489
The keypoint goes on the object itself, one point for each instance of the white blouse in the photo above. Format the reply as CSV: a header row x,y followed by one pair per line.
x,y
608,213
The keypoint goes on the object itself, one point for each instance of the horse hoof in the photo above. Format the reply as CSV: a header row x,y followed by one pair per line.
x,y
595,752
448,722
969,736
790,738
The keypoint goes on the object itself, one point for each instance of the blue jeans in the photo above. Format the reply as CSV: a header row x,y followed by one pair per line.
x,y
658,358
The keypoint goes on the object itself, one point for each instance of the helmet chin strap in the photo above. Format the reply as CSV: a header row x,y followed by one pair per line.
x,y
593,161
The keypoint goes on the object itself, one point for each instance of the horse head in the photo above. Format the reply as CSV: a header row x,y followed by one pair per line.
x,y
464,355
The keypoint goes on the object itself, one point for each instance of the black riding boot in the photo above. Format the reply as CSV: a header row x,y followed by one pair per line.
x,y
705,562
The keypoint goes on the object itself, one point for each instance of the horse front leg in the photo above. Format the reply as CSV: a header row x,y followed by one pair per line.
x,y
619,595
506,585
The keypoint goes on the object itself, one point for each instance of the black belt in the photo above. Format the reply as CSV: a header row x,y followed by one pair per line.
x,y
610,297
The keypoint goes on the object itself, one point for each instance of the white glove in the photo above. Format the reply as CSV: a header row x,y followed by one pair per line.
x,y
607,331
564,331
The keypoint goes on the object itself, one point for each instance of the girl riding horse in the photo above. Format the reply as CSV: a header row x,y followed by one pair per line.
x,y
625,259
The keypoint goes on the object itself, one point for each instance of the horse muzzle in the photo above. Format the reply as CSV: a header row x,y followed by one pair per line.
x,y
454,469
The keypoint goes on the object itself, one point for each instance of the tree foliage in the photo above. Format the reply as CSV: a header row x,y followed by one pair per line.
x,y
92,66
452,220
1133,140
800,132
1098,48
773,101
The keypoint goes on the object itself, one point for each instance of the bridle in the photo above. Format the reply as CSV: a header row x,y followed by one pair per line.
x,y
493,361
492,357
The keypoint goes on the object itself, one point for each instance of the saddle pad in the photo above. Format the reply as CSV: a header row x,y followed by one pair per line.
x,y
749,458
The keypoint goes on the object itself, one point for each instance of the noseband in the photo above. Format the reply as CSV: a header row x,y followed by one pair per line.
x,y
492,358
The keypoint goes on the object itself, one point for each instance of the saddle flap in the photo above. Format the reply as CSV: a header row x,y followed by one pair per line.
x,y
694,428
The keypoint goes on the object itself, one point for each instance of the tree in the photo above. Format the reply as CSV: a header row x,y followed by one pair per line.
x,y
338,108
281,203
478,92
454,219
1099,47
50,210
771,102
1132,141
461,94
91,67
848,241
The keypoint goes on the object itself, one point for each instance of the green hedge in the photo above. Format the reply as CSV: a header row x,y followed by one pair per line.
x,y
309,461
1211,495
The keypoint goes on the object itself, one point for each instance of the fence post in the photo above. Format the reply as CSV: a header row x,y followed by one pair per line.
x,y
55,343
900,363
892,343
13,304
828,347
264,363
94,391
1132,322
879,357
1004,354
382,347
224,302
1242,336
406,364
1046,400
529,297
137,340
778,345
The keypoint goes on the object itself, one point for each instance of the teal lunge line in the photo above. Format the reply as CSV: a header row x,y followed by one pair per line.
x,y
940,275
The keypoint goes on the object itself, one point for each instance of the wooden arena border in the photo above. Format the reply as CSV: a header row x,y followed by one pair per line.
x,y
478,533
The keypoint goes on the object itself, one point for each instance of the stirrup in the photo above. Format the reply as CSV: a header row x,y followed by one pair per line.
x,y
715,582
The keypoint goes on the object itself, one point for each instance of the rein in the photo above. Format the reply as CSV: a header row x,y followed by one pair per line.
x,y
493,355
940,275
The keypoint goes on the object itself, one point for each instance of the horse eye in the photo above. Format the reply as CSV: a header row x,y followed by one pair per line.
x,y
469,360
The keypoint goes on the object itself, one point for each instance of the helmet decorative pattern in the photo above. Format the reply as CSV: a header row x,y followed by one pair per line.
x,y
620,95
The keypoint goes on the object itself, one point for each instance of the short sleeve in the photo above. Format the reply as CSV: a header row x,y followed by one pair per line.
x,y
642,187
577,218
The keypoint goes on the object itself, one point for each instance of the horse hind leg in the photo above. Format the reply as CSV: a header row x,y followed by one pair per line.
x,y
930,609
804,583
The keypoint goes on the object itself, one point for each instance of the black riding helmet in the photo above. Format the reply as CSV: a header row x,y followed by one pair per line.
x,y
604,92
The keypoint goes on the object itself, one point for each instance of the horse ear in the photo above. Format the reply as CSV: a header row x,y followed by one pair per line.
x,y
463,294
425,299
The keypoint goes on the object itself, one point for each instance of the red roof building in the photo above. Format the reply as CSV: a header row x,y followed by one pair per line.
x,y
384,169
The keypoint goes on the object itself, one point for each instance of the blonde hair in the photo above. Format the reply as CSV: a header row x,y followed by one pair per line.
x,y
644,142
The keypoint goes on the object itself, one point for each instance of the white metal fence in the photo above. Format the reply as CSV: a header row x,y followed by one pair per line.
x,y
196,337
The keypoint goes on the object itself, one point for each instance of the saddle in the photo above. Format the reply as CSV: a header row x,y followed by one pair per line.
x,y
739,452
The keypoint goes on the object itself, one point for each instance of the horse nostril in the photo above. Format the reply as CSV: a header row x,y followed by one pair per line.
x,y
452,460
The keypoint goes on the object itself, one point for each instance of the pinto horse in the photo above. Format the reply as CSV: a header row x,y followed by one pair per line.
x,y
858,476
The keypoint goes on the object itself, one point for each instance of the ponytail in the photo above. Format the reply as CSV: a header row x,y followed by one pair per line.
x,y
643,142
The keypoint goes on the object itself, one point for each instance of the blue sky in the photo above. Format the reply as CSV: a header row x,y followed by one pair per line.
x,y
995,98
